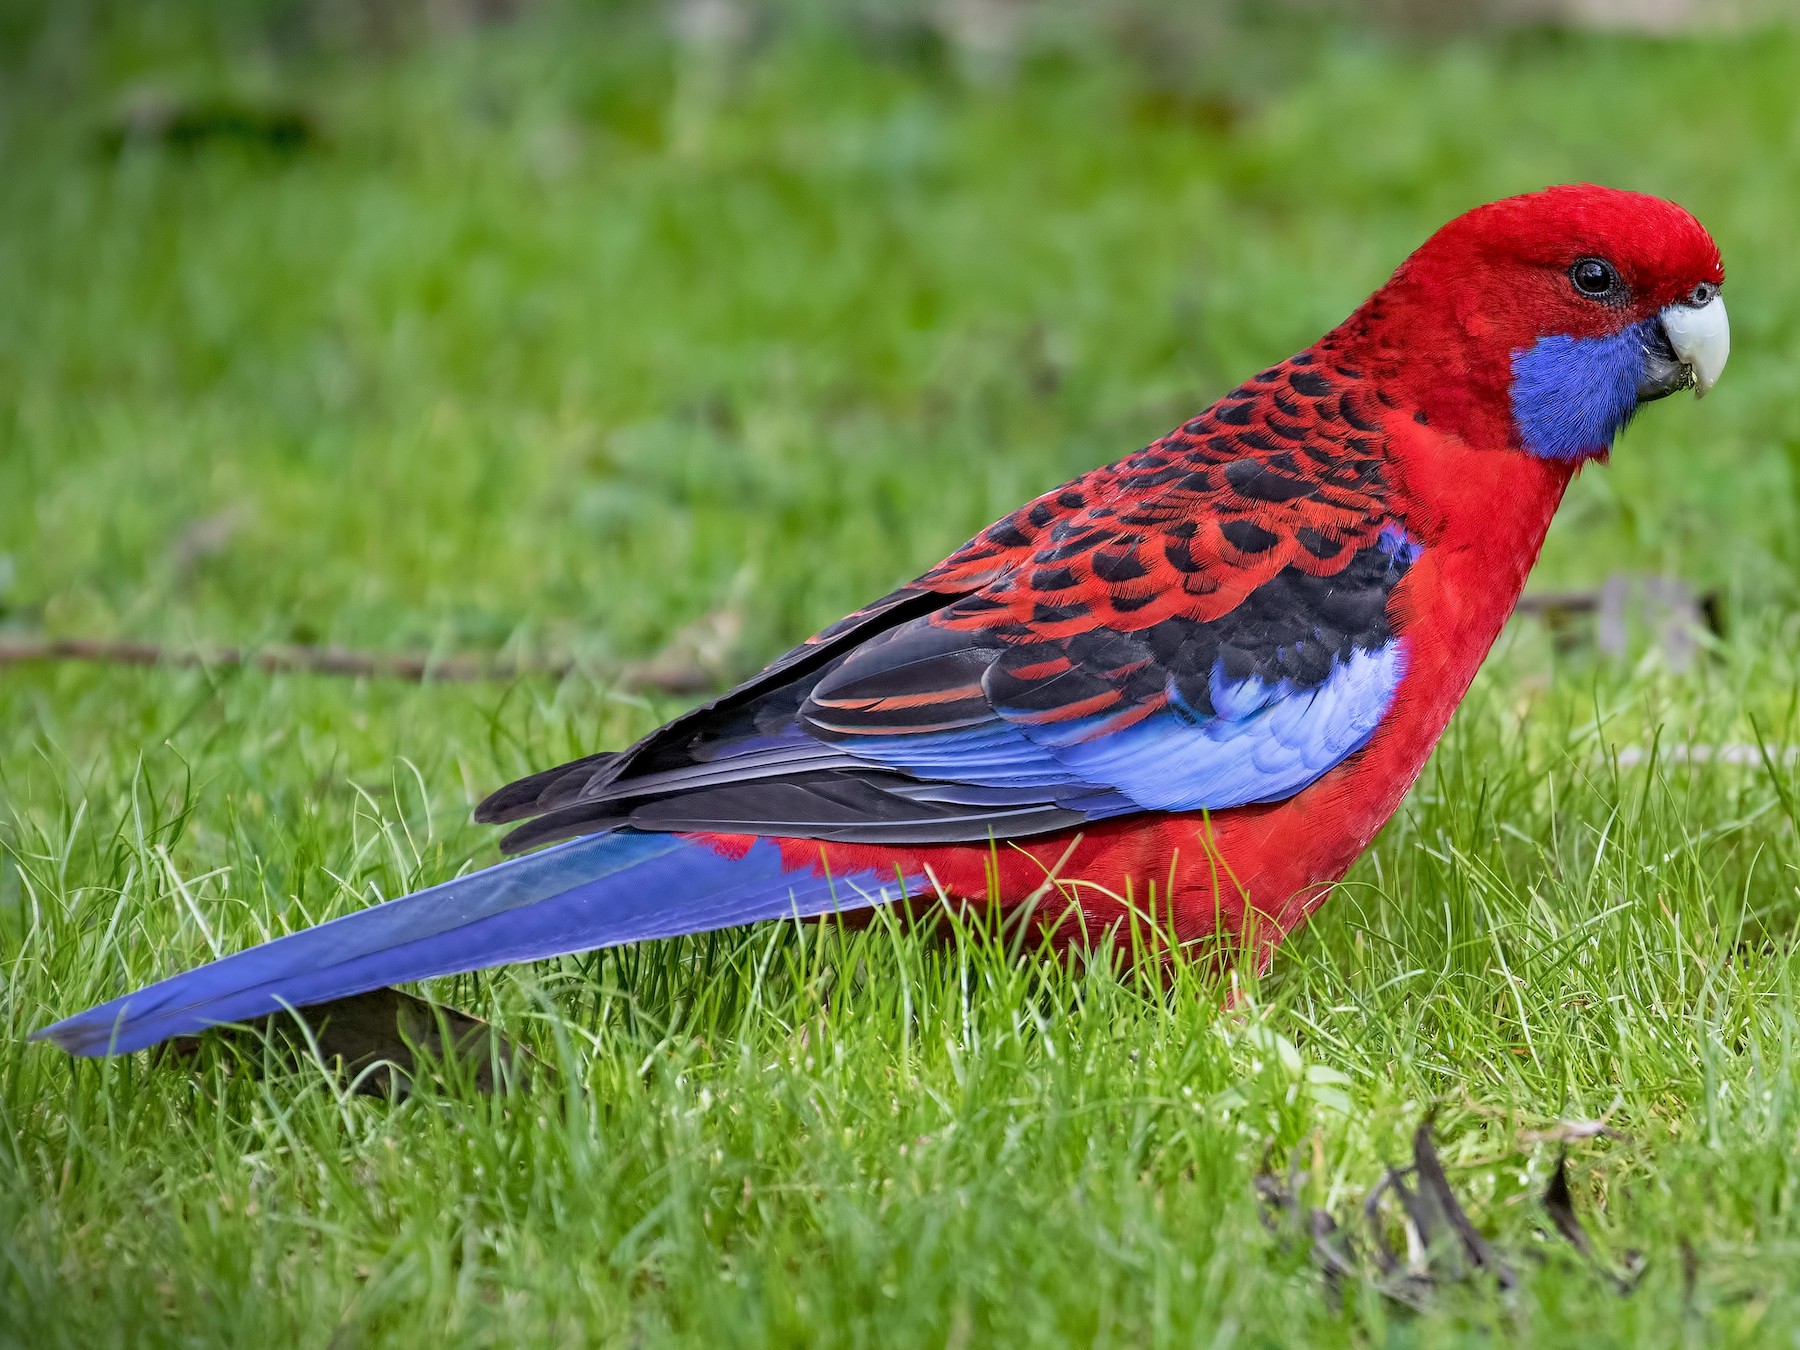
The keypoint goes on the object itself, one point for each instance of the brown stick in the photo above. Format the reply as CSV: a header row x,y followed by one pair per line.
x,y
340,661
1559,602
661,676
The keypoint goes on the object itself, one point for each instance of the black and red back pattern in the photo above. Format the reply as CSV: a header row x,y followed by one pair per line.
x,y
1284,471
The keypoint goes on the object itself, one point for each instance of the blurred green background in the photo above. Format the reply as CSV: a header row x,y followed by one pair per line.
x,y
625,329
473,324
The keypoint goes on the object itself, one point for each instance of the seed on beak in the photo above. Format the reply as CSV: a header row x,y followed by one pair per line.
x,y
1701,337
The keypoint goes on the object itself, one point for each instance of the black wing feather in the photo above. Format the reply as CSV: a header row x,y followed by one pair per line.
x,y
760,704
864,806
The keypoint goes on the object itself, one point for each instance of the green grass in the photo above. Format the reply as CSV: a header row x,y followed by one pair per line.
x,y
562,340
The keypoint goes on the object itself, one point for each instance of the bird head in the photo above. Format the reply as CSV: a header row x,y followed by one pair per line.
x,y
1549,318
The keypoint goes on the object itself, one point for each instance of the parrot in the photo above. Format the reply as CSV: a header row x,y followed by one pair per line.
x,y
1206,673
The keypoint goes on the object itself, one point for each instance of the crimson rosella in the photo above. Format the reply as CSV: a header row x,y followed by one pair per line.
x,y
1206,673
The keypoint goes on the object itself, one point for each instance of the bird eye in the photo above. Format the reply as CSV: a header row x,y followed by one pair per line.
x,y
1594,278
1702,295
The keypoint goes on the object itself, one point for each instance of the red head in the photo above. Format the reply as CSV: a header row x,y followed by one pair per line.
x,y
1540,322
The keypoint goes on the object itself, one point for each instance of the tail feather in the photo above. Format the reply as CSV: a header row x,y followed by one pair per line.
x,y
601,891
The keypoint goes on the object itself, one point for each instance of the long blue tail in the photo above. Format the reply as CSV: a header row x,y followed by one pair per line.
x,y
601,891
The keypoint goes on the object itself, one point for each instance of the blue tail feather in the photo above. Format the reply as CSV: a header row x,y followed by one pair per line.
x,y
601,891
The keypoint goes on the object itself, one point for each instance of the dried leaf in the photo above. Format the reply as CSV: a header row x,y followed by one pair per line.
x,y
1443,1243
1559,1202
1385,1257
1434,1184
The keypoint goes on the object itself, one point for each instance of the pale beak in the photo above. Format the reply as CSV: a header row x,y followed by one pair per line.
x,y
1701,337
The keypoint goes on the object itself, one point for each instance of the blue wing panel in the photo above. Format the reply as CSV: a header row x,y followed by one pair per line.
x,y
1266,741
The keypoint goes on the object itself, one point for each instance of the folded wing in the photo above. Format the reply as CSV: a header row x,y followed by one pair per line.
x,y
1202,625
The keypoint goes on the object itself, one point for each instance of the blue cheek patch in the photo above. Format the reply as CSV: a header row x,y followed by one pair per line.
x,y
1571,396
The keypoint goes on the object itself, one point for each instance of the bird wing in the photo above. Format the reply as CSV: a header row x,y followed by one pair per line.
x,y
1202,625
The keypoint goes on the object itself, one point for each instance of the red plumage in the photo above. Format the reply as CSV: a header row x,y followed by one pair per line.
x,y
1399,416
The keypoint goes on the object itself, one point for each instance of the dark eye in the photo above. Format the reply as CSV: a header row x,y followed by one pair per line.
x,y
1703,294
1594,278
